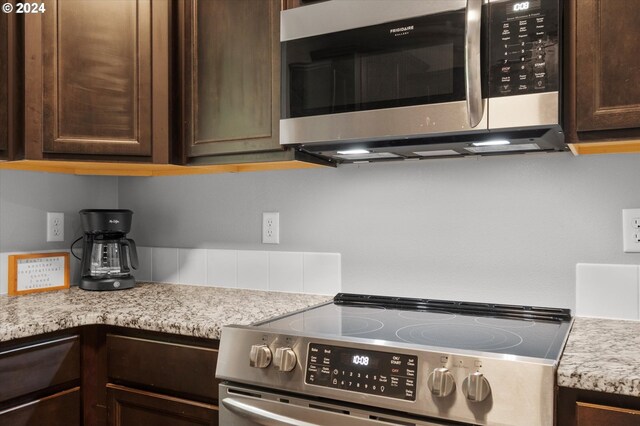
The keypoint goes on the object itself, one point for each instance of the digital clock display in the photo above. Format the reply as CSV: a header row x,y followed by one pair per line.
x,y
523,6
360,360
363,360
518,7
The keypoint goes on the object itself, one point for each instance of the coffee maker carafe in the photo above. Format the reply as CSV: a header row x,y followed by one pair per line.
x,y
107,254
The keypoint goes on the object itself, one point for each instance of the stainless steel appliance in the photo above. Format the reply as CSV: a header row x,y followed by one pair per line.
x,y
373,80
382,360
108,256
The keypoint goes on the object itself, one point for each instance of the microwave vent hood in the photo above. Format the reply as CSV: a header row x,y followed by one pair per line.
x,y
388,80
446,146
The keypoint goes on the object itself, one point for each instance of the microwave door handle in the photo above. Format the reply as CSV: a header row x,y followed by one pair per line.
x,y
472,70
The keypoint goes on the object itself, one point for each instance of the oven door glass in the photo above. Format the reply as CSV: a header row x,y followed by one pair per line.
x,y
415,61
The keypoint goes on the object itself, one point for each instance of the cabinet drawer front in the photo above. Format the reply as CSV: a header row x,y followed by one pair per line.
x,y
598,415
39,366
61,409
188,370
133,407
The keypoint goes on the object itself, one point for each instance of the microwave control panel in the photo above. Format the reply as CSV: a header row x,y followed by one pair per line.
x,y
371,372
525,51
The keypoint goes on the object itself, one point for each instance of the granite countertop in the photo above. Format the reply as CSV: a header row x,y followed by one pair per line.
x,y
170,308
602,355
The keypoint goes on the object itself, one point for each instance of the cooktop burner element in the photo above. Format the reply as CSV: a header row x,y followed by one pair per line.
x,y
351,326
479,338
470,363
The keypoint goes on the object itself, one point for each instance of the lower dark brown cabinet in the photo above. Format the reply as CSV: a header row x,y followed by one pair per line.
x,y
60,409
597,415
578,407
133,407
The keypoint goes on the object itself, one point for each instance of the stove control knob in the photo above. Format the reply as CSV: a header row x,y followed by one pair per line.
x,y
475,387
285,359
441,382
260,356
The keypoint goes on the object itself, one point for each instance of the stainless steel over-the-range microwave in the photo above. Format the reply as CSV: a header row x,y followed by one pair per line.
x,y
367,80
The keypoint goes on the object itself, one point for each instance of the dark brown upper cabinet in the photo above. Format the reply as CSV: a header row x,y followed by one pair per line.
x,y
11,92
602,94
97,80
230,67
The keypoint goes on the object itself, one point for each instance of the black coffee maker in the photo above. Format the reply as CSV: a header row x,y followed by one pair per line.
x,y
107,254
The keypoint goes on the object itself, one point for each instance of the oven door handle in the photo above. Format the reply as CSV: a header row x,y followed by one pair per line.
x,y
261,416
472,70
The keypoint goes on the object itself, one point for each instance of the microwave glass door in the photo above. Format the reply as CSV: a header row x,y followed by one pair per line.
x,y
415,61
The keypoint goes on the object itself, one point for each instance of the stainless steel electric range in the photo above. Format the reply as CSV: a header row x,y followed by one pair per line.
x,y
366,360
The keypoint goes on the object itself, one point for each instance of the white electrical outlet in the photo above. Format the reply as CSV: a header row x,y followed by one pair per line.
x,y
55,226
270,228
631,230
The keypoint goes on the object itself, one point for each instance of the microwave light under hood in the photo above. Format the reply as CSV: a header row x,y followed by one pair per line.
x,y
354,152
492,143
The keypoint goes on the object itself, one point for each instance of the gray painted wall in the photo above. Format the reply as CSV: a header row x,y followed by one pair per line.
x,y
26,197
507,229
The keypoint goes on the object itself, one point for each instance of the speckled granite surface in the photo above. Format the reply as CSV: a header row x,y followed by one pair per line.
x,y
602,355
170,308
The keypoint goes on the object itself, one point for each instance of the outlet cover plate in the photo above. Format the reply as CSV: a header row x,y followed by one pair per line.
x,y
55,227
270,228
631,230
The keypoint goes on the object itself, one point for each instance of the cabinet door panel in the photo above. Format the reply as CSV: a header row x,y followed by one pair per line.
x,y
96,77
232,76
598,415
96,89
607,65
132,407
145,362
61,409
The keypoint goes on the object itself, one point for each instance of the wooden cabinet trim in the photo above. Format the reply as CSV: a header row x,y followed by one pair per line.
x,y
608,408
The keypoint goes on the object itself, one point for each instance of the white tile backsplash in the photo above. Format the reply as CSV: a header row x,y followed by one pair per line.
x,y
164,265
253,270
222,268
322,273
286,271
192,266
297,272
143,273
608,291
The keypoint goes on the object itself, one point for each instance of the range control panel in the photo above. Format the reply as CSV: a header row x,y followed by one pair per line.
x,y
371,372
524,50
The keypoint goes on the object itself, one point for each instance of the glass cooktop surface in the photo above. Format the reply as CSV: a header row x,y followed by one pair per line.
x,y
445,329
